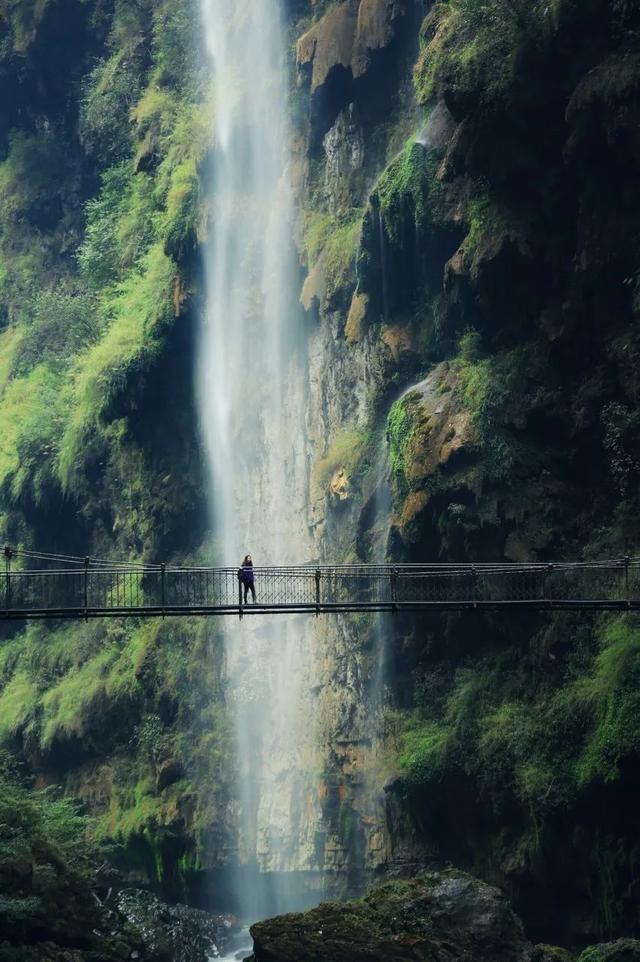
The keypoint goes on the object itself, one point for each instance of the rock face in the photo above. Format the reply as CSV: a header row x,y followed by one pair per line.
x,y
622,950
171,933
347,36
440,917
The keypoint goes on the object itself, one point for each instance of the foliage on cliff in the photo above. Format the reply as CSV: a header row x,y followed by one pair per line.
x,y
506,238
499,256
104,135
499,240
47,880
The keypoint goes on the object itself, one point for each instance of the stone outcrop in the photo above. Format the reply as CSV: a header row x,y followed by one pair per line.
x,y
441,425
441,917
445,916
622,950
348,36
171,933
429,429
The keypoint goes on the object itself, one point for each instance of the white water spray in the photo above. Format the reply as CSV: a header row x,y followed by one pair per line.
x,y
252,403
246,347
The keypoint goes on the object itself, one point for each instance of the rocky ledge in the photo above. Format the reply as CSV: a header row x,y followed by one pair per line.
x,y
439,917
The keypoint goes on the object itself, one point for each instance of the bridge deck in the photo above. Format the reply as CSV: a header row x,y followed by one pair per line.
x,y
93,589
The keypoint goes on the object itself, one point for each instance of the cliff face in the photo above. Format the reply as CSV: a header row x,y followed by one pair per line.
x,y
105,135
468,239
471,243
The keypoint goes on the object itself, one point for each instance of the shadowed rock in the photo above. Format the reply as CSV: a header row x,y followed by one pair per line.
x,y
440,917
347,36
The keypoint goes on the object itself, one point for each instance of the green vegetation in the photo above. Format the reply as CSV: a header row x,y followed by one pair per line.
x,y
101,209
477,48
47,877
331,243
530,736
91,686
345,454
407,183
511,253
402,428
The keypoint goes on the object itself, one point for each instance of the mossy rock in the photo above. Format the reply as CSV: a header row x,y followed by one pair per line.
x,y
622,950
551,953
441,916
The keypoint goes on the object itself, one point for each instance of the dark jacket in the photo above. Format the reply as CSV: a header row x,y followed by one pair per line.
x,y
245,574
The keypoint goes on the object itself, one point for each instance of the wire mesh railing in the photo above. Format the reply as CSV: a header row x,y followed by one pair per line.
x,y
49,586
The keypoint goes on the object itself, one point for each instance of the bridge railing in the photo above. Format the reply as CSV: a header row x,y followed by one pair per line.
x,y
95,589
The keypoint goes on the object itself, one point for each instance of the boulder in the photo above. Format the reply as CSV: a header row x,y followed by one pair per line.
x,y
622,950
172,933
434,427
551,953
439,917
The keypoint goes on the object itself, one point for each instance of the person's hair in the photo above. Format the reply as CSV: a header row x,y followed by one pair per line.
x,y
247,557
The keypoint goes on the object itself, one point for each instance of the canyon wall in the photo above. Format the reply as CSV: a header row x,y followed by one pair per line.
x,y
468,277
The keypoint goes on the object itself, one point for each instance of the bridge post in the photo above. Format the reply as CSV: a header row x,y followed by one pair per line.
x,y
544,586
394,589
87,562
626,581
163,569
318,576
8,554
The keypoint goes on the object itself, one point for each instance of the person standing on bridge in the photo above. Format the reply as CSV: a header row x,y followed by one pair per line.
x,y
245,577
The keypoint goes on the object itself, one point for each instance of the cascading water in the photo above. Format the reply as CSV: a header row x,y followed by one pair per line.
x,y
247,342
252,406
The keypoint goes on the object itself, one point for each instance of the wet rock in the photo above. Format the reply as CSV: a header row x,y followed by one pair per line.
x,y
356,318
377,25
172,933
551,953
347,36
344,153
438,130
441,917
622,950
328,44
168,772
339,485
431,429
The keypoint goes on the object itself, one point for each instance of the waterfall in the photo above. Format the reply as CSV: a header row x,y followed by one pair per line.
x,y
381,526
252,396
384,273
249,270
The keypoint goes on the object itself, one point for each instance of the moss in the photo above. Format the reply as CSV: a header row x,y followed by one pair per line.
x,y
401,428
23,20
331,243
473,51
552,953
17,703
609,692
47,871
119,227
32,417
424,754
407,185
139,312
356,318
623,950
616,78
345,453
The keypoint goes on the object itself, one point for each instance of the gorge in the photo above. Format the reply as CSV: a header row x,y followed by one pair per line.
x,y
327,283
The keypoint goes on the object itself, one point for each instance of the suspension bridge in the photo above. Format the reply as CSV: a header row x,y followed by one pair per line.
x,y
39,586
